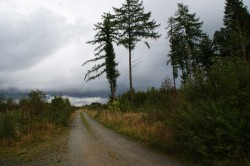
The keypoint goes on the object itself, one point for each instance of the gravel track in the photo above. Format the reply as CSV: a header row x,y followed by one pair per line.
x,y
97,145
91,144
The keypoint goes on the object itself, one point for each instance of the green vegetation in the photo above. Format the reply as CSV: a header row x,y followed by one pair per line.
x,y
207,120
144,127
60,111
190,47
106,35
134,25
127,27
213,123
31,120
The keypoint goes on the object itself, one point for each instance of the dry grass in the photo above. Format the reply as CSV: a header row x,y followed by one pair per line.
x,y
27,143
140,126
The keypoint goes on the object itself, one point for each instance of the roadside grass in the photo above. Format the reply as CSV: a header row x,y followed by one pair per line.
x,y
41,138
139,126
155,133
29,145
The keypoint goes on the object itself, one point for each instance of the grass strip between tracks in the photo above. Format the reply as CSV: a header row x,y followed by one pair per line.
x,y
86,124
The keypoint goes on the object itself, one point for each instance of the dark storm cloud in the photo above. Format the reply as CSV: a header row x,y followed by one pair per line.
x,y
43,45
17,93
26,40
12,92
79,94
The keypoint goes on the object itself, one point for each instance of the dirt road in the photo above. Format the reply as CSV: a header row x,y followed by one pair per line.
x,y
92,144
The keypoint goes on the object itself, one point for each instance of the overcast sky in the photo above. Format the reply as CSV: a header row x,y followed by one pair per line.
x,y
43,45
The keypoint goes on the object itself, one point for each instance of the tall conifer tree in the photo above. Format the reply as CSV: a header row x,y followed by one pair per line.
x,y
237,23
234,38
173,54
134,25
106,34
185,37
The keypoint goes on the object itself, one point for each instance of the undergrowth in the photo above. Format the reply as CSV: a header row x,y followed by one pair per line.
x,y
31,121
138,126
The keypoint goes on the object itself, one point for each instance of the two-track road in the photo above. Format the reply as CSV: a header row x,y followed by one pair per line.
x,y
91,144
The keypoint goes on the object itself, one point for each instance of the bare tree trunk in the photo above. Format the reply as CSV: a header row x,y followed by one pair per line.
x,y
171,25
189,61
174,78
245,58
244,50
182,72
130,60
112,91
130,79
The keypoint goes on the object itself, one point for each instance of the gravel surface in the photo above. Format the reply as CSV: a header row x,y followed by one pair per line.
x,y
91,144
97,145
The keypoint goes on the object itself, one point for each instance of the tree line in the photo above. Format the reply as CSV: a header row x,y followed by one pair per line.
x,y
19,118
208,117
129,25
191,49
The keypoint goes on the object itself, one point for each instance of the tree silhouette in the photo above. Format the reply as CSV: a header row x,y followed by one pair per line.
x,y
134,25
237,23
185,37
106,34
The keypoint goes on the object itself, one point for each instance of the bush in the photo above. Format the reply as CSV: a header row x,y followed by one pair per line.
x,y
166,99
37,100
33,118
209,131
10,124
215,121
114,105
61,110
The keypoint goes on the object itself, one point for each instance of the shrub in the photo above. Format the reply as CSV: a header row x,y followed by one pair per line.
x,y
61,110
166,99
214,122
37,100
114,105
10,123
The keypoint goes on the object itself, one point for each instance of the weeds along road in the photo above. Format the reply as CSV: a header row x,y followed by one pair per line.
x,y
91,144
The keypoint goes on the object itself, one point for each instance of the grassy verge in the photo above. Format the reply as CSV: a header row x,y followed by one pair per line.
x,y
44,138
150,130
139,126
28,147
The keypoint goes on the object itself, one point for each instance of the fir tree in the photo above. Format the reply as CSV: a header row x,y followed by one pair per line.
x,y
106,34
173,52
134,25
234,38
185,36
205,53
237,23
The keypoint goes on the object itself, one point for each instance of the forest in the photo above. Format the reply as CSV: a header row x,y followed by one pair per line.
x,y
204,121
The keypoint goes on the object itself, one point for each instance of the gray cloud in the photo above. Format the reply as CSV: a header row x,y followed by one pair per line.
x,y
80,94
42,46
26,40
84,101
